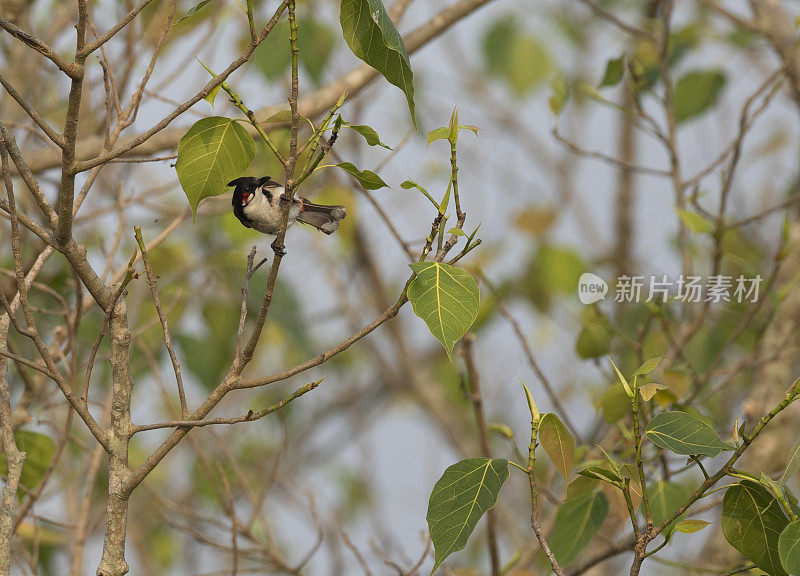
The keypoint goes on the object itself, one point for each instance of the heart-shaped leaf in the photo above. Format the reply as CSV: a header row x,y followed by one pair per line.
x,y
446,298
465,491
213,152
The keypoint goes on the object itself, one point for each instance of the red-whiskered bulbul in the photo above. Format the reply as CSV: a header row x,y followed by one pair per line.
x,y
258,203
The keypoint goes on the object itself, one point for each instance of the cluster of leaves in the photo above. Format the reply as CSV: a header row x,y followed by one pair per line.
x,y
217,149
759,516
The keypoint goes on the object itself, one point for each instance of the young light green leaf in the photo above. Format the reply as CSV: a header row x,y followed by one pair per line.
x,y
665,498
613,74
366,178
789,548
39,450
622,379
558,443
446,298
372,37
194,10
369,135
212,96
695,222
696,92
792,465
535,418
214,151
442,133
752,522
648,366
691,526
577,521
460,497
408,184
456,232
684,434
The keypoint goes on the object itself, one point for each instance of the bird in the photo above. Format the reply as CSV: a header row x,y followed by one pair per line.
x,y
258,204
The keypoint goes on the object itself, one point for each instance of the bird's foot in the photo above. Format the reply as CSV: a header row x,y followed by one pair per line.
x,y
279,249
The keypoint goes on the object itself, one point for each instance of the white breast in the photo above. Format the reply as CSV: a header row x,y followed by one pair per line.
x,y
266,217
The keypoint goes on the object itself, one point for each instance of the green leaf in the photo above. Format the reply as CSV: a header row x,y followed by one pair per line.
x,y
793,464
442,133
213,95
372,37
39,450
613,75
577,521
789,547
535,417
600,473
465,491
560,93
369,135
456,232
367,178
665,498
213,152
684,434
194,10
446,298
408,184
696,92
558,443
648,366
695,222
752,522
628,390
691,526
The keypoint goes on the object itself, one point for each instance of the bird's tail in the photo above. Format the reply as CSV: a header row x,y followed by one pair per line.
x,y
324,218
